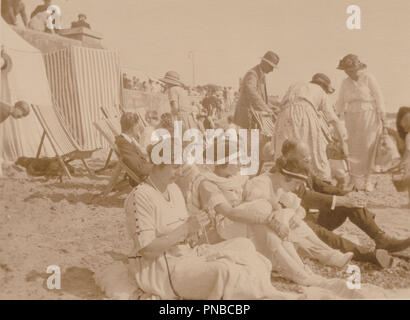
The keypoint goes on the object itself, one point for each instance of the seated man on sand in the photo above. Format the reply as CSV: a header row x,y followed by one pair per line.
x,y
132,153
334,208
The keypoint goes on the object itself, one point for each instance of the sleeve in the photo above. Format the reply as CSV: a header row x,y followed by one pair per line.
x,y
327,188
141,214
36,10
340,102
376,93
135,160
314,200
209,195
251,90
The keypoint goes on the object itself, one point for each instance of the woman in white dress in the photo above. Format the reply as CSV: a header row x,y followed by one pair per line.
x,y
361,106
304,116
167,267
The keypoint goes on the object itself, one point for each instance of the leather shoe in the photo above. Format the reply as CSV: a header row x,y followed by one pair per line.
x,y
391,244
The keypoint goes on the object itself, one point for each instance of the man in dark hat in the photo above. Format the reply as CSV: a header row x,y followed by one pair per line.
x,y
333,207
252,92
81,22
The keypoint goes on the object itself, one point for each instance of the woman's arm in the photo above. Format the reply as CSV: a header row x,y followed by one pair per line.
x,y
161,244
377,95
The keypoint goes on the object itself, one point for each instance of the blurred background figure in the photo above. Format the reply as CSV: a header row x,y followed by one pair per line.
x,y
81,22
11,9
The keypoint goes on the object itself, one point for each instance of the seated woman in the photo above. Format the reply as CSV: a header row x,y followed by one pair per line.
x,y
403,128
166,266
221,193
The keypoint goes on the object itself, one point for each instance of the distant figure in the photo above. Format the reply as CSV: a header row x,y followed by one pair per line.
x,y
181,107
41,8
10,9
81,22
39,17
21,109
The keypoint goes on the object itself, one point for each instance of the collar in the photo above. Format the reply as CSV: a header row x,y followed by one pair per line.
x,y
128,138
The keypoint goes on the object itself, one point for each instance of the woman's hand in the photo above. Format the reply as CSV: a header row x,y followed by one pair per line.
x,y
279,228
197,222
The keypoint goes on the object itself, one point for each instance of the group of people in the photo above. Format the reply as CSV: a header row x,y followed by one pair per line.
x,y
12,9
206,232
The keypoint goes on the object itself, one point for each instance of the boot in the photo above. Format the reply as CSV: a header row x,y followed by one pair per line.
x,y
391,244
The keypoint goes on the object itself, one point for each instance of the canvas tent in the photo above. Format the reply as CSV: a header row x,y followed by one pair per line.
x,y
82,81
27,81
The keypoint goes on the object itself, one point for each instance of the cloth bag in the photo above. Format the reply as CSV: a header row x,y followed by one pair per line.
x,y
386,154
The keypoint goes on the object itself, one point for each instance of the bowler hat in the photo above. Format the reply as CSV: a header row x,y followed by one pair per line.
x,y
323,80
271,58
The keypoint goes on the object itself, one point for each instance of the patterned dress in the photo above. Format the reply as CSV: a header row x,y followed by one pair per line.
x,y
300,120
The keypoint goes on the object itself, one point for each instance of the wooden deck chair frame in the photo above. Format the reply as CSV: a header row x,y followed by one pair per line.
x,y
76,153
108,136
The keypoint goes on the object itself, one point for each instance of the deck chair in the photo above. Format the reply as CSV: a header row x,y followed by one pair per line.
x,y
64,146
105,130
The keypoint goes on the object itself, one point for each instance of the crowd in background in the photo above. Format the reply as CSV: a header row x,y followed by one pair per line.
x,y
11,10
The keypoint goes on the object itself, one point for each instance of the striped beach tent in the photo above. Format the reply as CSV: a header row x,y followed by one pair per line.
x,y
82,81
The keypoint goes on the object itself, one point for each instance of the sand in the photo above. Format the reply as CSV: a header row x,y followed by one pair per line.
x,y
44,223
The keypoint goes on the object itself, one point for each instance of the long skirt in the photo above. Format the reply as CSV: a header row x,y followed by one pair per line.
x,y
362,129
298,121
231,269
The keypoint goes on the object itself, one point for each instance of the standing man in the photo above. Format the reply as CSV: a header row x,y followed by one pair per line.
x,y
253,94
81,22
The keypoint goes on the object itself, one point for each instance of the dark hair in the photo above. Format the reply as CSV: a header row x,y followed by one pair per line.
x,y
400,115
128,121
288,146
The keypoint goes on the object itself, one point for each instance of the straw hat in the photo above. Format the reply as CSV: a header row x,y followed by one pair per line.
x,y
351,62
172,77
271,58
323,80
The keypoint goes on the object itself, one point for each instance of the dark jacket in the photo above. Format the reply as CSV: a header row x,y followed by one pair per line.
x,y
133,158
252,95
318,194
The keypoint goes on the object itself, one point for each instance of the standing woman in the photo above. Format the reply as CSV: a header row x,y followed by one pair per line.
x,y
361,105
181,106
301,119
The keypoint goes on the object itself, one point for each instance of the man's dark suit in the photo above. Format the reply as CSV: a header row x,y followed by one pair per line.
x,y
319,195
133,159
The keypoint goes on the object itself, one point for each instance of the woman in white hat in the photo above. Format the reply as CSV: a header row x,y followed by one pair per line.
x,y
181,107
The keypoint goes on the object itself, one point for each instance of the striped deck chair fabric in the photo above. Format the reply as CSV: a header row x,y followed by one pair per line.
x,y
60,138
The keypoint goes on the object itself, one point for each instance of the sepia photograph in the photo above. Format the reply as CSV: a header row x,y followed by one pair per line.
x,y
179,150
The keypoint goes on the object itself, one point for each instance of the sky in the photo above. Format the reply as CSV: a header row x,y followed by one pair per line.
x,y
228,37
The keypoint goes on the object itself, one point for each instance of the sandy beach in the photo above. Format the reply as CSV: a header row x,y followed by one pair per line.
x,y
66,224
